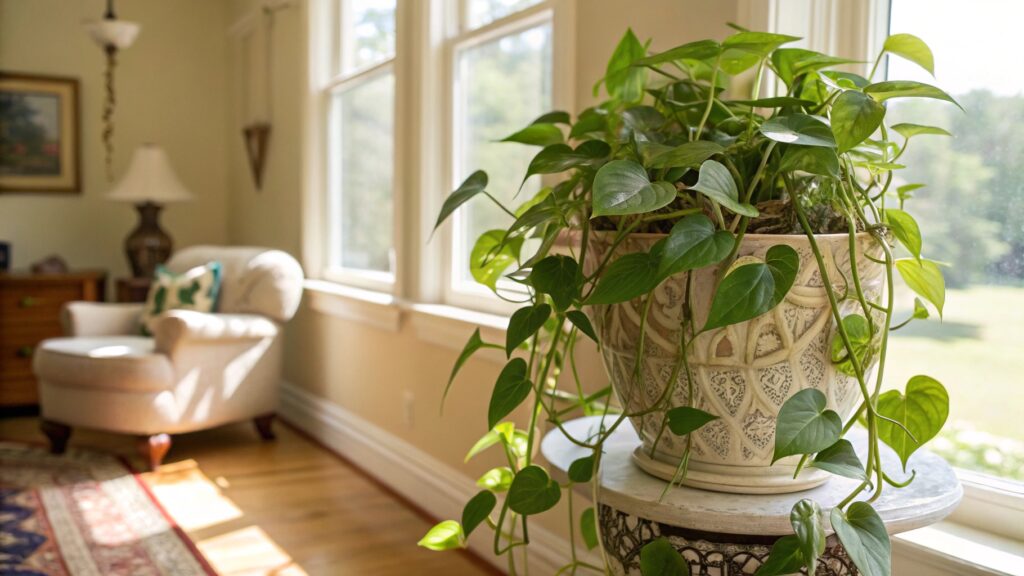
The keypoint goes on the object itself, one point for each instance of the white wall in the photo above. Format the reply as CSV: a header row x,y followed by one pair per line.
x,y
170,88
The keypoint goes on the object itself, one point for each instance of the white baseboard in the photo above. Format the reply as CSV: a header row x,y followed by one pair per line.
x,y
435,487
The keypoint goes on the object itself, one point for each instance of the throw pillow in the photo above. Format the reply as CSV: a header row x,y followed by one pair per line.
x,y
196,289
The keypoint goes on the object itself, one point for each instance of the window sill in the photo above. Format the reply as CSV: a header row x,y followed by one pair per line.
x,y
439,324
955,549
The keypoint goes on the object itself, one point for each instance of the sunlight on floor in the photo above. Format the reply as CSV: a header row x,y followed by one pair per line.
x,y
190,497
248,551
197,504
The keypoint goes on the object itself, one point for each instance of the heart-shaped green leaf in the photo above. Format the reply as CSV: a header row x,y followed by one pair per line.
x,y
628,277
582,469
537,135
912,48
553,117
558,277
883,91
841,459
477,510
805,426
496,479
773,102
906,230
753,289
622,187
512,387
760,43
475,343
533,491
799,129
688,155
920,311
622,80
790,63
858,331
492,255
684,419
863,535
810,159
697,50
445,536
693,243
523,324
785,558
561,157
908,130
924,277
469,188
855,116
503,432
806,520
923,410
715,182
588,528
580,320
660,558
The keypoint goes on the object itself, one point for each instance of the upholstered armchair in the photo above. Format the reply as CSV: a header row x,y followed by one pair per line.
x,y
197,371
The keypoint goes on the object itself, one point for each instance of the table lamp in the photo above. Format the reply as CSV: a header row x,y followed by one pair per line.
x,y
149,183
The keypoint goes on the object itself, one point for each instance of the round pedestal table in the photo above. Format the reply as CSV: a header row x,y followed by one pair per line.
x,y
722,534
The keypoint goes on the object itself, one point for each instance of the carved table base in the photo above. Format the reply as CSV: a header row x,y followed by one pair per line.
x,y
709,554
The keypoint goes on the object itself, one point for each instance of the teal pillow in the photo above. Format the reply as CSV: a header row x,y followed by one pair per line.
x,y
195,289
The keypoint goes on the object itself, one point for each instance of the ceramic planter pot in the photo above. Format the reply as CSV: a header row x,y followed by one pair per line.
x,y
742,373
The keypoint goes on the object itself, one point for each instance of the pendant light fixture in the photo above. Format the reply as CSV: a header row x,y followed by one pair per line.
x,y
112,35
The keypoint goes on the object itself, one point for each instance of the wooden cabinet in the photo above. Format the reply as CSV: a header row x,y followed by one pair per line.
x,y
30,307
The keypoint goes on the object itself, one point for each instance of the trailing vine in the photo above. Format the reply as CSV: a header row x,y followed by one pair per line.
x,y
668,154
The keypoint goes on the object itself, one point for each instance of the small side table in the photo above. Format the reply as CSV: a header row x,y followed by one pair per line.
x,y
723,534
133,289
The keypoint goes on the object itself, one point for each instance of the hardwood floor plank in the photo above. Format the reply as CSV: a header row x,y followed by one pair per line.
x,y
287,508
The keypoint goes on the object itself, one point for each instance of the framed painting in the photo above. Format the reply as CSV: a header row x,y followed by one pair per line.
x,y
39,134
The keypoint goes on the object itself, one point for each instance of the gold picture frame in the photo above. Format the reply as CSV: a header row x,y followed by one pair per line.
x,y
39,133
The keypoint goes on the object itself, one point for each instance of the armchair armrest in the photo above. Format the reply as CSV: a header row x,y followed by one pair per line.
x,y
175,327
100,319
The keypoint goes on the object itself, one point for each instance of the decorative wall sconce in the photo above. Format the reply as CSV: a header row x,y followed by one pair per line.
x,y
112,35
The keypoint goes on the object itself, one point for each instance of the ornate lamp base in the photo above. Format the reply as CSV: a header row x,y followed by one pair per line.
x,y
148,245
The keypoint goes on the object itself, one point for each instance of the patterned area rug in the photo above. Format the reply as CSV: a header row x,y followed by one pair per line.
x,y
84,513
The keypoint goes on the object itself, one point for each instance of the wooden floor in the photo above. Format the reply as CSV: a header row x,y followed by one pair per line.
x,y
286,508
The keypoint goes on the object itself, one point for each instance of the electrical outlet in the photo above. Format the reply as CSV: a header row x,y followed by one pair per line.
x,y
409,401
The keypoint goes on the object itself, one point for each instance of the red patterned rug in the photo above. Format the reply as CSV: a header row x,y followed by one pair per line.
x,y
85,513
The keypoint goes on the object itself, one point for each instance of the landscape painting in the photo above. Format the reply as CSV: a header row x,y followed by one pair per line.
x,y
38,134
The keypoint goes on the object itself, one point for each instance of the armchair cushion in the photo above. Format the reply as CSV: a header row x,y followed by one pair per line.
x,y
100,319
124,363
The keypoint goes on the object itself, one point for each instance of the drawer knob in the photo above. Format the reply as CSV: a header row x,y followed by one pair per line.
x,y
27,302
25,352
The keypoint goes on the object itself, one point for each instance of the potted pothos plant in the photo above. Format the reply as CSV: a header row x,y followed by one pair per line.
x,y
735,259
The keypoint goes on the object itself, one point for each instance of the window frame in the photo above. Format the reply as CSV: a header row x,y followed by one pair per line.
x,y
560,14
332,80
858,29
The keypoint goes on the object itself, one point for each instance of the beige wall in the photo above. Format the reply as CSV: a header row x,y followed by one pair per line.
x,y
170,88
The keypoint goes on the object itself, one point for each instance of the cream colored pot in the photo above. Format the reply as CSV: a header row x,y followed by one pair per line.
x,y
742,373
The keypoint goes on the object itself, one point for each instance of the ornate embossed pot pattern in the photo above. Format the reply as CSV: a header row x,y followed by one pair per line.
x,y
742,373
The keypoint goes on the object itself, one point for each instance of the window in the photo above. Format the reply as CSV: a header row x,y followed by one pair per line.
x,y
971,213
361,134
502,63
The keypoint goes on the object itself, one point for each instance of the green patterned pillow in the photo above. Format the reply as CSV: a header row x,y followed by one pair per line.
x,y
196,289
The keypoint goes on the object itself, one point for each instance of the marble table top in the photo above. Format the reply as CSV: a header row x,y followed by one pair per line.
x,y
624,486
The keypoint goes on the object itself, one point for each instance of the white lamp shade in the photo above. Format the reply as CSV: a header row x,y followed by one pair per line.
x,y
150,178
117,33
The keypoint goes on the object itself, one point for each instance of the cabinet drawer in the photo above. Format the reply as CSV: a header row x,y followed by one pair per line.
x,y
33,304
18,392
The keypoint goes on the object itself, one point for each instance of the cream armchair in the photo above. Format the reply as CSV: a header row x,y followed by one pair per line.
x,y
197,371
